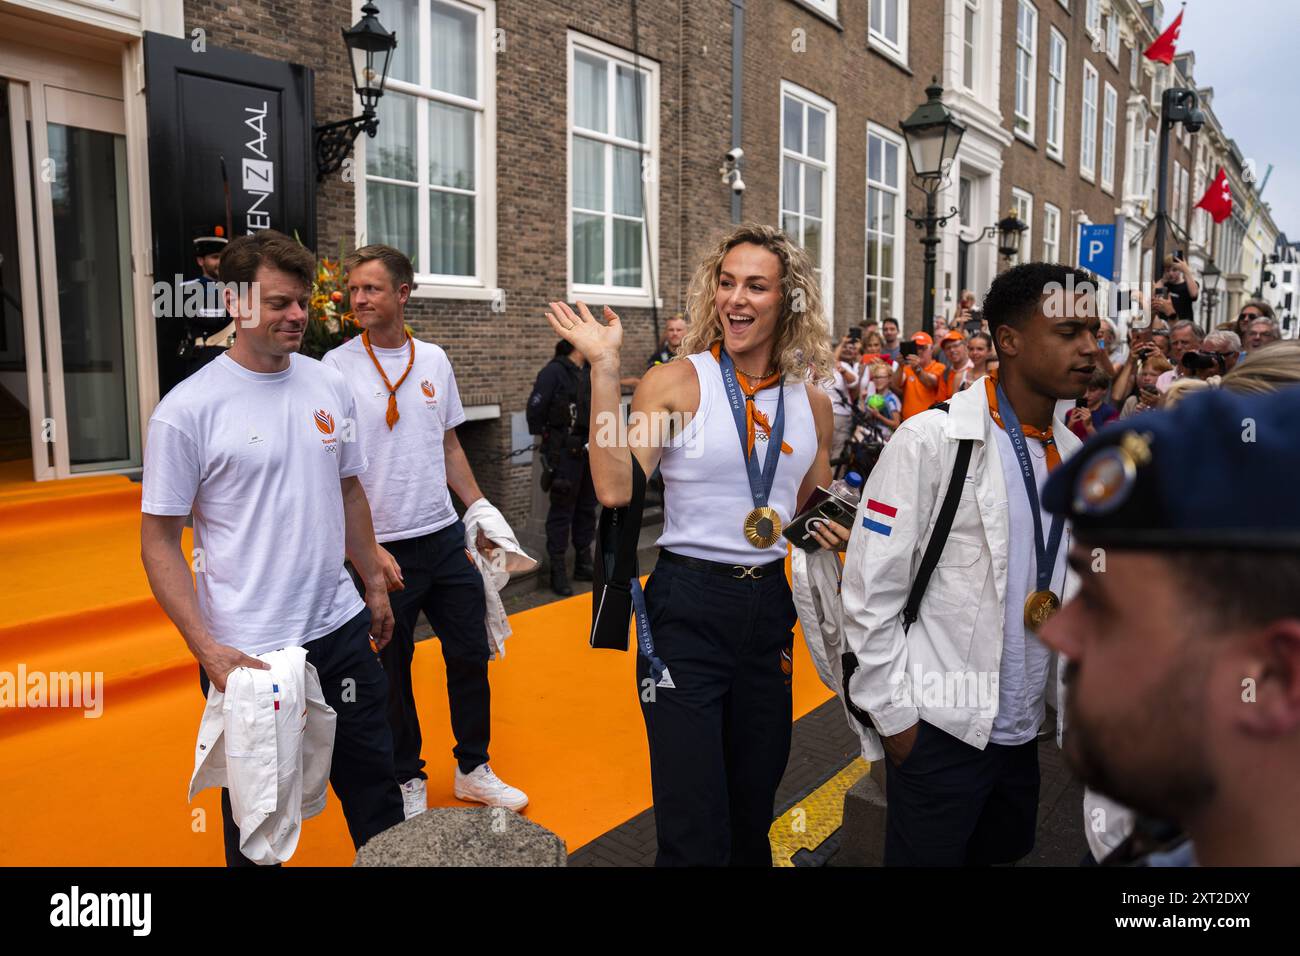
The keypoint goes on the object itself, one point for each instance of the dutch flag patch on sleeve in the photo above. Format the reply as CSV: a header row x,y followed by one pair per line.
x,y
877,516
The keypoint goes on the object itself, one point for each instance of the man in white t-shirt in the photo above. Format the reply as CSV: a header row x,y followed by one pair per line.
x,y
408,408
259,445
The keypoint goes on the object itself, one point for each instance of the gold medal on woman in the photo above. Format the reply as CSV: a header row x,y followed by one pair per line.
x,y
762,527
1039,606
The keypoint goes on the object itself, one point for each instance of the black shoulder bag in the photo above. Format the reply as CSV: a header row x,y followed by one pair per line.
x,y
615,567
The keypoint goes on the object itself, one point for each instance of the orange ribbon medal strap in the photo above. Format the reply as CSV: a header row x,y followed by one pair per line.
x,y
753,415
1029,431
391,416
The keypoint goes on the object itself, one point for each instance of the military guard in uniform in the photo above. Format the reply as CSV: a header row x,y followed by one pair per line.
x,y
1183,642
209,330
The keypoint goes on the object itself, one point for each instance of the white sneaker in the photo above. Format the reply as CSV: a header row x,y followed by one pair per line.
x,y
483,786
414,798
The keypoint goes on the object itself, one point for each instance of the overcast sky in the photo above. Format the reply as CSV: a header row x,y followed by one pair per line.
x,y
1247,50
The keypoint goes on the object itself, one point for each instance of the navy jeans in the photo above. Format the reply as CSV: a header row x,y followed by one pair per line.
x,y
442,581
720,736
361,771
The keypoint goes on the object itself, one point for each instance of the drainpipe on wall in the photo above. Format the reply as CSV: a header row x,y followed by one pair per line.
x,y
737,87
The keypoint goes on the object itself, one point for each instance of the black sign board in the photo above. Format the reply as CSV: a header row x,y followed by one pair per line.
x,y
215,108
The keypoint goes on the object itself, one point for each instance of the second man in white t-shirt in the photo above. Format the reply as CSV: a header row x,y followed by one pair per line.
x,y
407,412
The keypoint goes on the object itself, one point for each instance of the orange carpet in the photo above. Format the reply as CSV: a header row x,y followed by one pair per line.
x,y
111,790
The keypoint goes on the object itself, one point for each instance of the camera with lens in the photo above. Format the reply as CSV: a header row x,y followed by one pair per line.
x,y
908,348
1204,361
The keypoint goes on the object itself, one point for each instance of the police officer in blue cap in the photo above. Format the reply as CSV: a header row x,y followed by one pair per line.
x,y
1184,639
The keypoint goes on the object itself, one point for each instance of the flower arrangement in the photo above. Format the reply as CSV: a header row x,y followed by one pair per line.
x,y
330,321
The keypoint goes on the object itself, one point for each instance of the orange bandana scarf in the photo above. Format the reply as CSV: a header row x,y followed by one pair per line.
x,y
753,416
391,416
1029,431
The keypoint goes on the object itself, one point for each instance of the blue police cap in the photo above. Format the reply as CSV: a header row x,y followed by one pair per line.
x,y
1218,471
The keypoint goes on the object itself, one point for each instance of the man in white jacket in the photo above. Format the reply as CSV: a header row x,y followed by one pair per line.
x,y
408,408
959,695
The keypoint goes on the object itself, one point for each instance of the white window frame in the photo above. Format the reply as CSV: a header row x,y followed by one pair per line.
x,y
1092,18
1112,38
810,100
1133,68
828,7
900,194
1023,123
971,15
1023,204
1109,134
1088,127
481,285
1051,233
1056,94
878,41
611,294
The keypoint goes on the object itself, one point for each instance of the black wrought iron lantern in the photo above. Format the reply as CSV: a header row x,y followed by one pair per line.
x,y
1010,231
370,51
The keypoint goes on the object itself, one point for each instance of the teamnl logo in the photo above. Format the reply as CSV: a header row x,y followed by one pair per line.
x,y
75,909
944,690
71,690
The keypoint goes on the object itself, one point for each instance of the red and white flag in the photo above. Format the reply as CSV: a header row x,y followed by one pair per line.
x,y
1217,200
1162,50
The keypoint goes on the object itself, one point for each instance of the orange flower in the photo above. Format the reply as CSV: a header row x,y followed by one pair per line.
x,y
336,296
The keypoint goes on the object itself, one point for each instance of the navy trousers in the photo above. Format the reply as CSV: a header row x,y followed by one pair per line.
x,y
951,804
361,771
720,735
442,581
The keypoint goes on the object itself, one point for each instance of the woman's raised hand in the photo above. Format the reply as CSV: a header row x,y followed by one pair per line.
x,y
595,341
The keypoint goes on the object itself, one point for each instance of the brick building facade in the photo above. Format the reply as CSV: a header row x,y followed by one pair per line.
x,y
817,76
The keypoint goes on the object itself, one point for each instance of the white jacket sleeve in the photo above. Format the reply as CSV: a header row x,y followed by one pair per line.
x,y
878,571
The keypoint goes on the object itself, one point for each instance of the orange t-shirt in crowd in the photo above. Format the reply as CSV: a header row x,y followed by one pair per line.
x,y
916,397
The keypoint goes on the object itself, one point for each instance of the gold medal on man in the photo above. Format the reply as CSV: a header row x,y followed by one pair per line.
x,y
762,527
1039,607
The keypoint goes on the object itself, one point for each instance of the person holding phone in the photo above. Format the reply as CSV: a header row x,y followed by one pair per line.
x,y
1093,410
919,380
1147,396
1175,293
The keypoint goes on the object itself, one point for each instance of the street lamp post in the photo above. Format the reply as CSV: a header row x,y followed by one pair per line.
x,y
933,138
1210,277
370,51
1177,105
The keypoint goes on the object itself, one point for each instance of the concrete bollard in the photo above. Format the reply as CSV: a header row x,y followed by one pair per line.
x,y
462,836
862,830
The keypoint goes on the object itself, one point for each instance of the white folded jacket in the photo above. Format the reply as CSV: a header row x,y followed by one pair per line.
x,y
269,739
508,559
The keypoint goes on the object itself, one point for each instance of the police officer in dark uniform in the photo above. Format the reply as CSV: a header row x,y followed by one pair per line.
x,y
1183,642
559,410
209,331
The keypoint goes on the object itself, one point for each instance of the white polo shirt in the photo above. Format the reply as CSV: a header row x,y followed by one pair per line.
x,y
258,457
406,483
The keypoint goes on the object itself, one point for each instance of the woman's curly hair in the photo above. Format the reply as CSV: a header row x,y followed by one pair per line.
x,y
801,346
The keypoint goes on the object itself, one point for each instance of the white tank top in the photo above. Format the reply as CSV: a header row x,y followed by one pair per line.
x,y
706,485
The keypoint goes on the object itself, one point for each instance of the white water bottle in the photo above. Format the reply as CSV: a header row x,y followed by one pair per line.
x,y
849,487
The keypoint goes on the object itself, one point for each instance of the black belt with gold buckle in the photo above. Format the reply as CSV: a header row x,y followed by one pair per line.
x,y
738,571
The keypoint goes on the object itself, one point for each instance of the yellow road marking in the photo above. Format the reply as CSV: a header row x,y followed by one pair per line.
x,y
808,824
